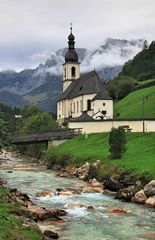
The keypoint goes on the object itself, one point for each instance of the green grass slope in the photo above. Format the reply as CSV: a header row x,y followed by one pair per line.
x,y
132,105
139,157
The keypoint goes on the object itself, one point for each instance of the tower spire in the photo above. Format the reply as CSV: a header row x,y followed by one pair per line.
x,y
71,27
71,55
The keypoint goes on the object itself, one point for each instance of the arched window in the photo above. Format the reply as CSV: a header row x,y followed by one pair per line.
x,y
77,106
73,71
88,104
65,73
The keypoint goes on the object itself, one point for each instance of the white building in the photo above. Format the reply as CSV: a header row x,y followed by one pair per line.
x,y
83,97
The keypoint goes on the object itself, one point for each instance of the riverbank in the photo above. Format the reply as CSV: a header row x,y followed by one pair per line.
x,y
138,158
20,218
13,225
122,186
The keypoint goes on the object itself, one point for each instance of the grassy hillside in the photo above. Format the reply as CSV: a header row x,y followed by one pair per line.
x,y
132,105
139,157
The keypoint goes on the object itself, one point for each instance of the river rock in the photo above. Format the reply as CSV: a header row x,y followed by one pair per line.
x,y
16,196
90,209
148,235
97,164
150,202
2,181
117,211
68,192
57,212
140,197
39,213
45,193
95,183
113,184
51,234
149,189
126,193
75,205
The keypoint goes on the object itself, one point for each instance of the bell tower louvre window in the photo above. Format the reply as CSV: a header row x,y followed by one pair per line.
x,y
73,70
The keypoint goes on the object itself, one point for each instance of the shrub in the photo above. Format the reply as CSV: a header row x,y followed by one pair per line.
x,y
101,173
54,157
117,142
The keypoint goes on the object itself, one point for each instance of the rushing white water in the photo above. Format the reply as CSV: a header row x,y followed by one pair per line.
x,y
82,224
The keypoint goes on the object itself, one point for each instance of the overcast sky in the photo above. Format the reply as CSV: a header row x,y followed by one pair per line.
x,y
30,30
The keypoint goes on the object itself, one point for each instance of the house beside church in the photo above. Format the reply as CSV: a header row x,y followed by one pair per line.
x,y
84,96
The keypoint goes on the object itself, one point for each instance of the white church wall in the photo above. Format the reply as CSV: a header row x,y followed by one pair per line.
x,y
106,126
103,105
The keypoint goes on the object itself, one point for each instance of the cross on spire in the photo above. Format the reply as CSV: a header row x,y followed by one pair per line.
x,y
71,27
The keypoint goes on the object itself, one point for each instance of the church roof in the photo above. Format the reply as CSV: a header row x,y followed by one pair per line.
x,y
84,117
103,95
89,83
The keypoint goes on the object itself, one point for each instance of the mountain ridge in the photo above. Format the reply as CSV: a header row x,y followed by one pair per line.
x,y
107,59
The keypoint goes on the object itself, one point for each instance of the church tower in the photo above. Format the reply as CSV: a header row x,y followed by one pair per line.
x,y
71,67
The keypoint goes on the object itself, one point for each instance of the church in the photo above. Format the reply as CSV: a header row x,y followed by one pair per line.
x,y
84,97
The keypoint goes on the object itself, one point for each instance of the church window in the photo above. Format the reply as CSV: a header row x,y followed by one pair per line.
x,y
73,71
103,104
81,107
74,108
65,73
77,106
104,112
88,104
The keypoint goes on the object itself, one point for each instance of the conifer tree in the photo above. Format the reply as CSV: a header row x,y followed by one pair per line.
x,y
117,142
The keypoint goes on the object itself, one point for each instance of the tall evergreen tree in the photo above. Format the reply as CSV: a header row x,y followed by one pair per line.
x,y
117,142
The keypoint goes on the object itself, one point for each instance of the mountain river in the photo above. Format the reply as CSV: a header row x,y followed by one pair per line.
x,y
81,224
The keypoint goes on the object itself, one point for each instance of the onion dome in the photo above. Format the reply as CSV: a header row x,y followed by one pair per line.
x,y
71,54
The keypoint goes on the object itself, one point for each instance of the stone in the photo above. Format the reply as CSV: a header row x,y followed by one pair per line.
x,y
74,205
39,213
150,202
126,193
90,209
148,235
113,184
51,234
68,192
97,164
96,183
57,212
45,193
149,189
140,197
117,211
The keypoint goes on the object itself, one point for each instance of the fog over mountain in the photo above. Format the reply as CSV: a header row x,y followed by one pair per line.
x,y
43,85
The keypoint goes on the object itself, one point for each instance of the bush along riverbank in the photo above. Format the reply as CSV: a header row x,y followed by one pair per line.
x,y
19,217
128,178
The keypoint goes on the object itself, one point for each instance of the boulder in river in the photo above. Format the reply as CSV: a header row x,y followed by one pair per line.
x,y
150,202
148,235
45,193
140,197
117,211
149,189
113,184
51,234
41,213
126,193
